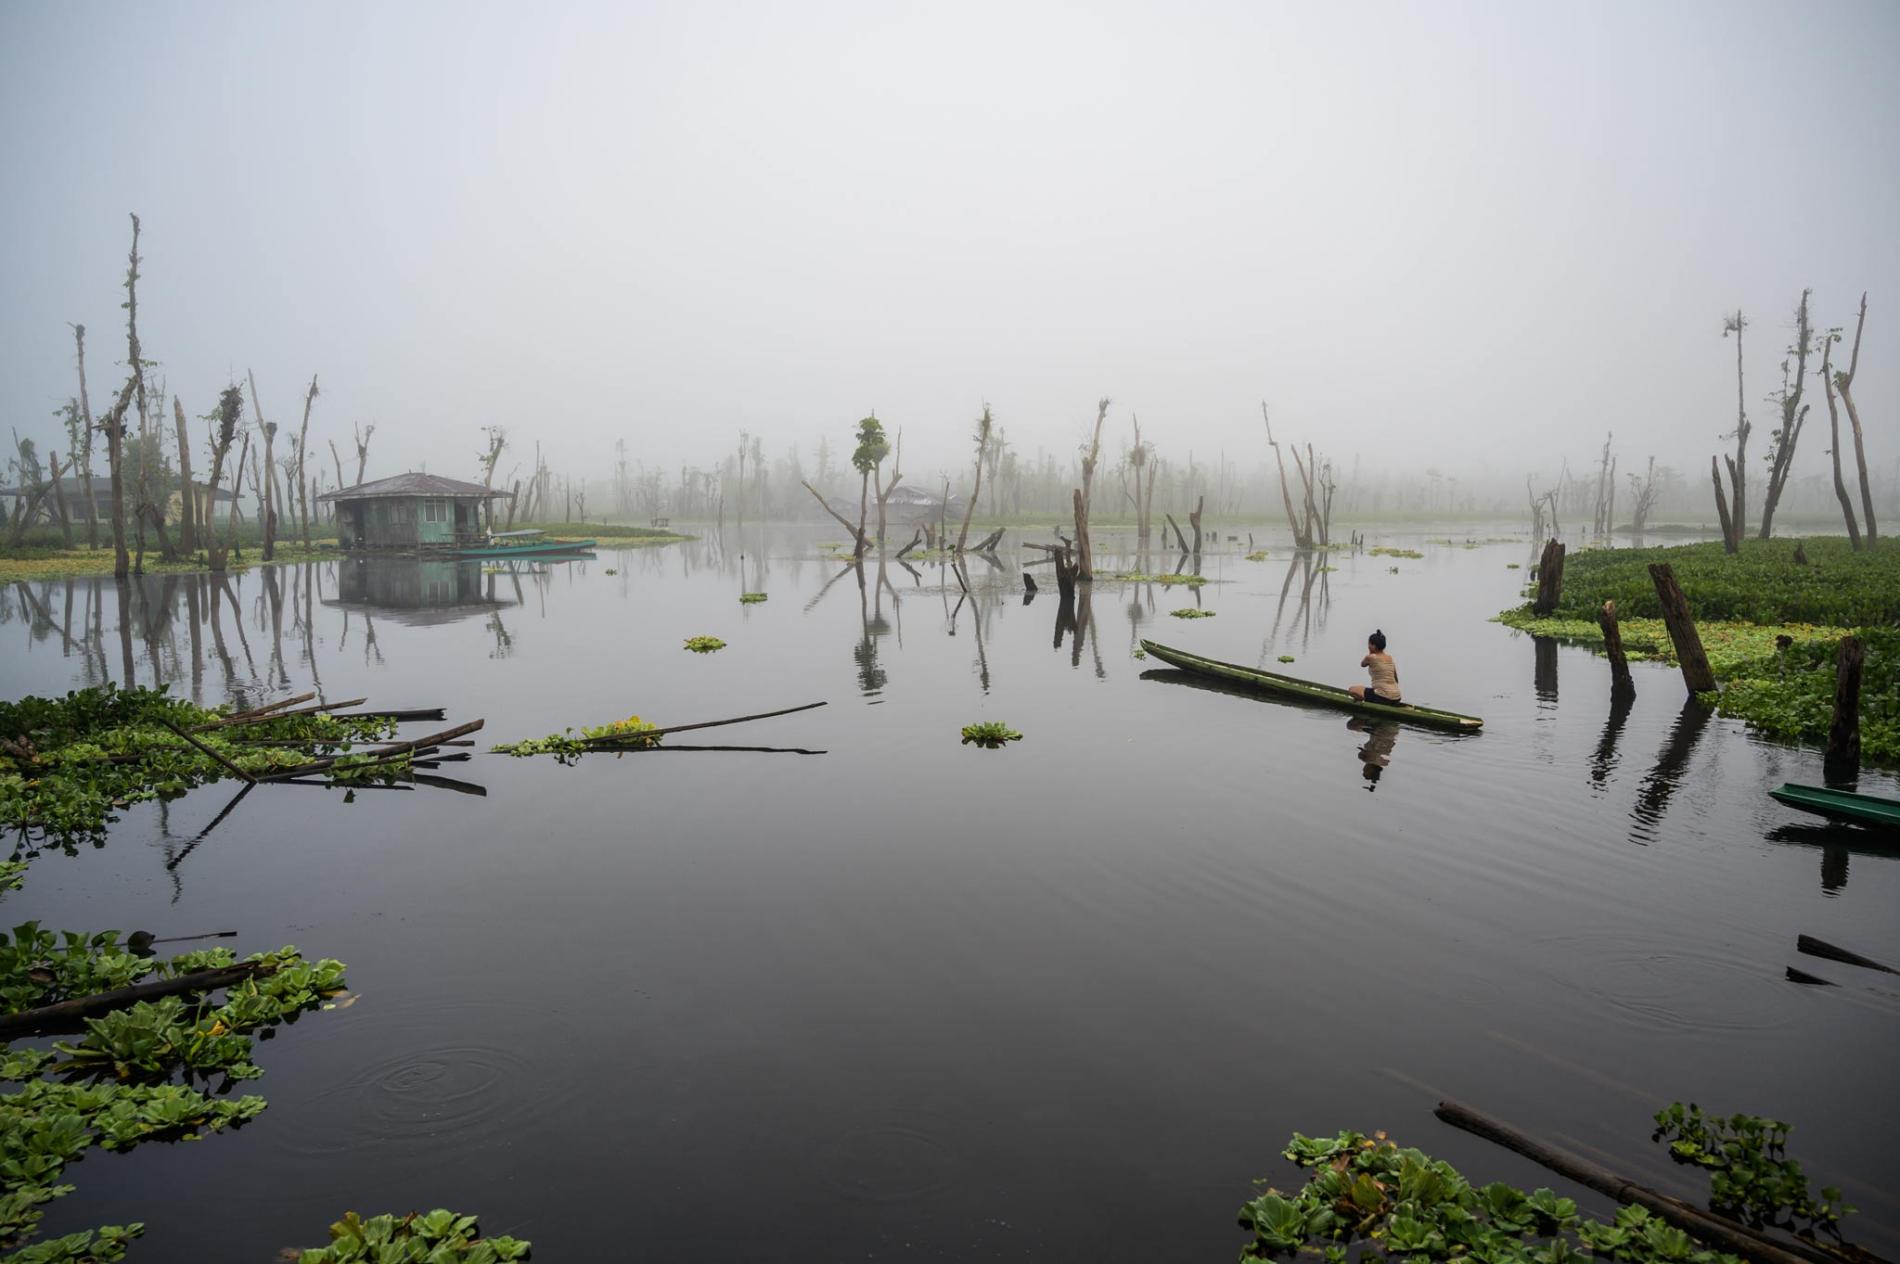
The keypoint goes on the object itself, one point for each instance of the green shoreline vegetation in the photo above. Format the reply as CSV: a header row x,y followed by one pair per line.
x,y
42,554
1744,604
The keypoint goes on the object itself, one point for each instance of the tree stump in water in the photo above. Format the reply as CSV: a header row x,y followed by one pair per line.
x,y
1613,646
1843,735
1696,672
1550,578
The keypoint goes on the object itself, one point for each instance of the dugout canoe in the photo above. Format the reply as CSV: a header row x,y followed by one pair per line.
x,y
1842,805
1310,691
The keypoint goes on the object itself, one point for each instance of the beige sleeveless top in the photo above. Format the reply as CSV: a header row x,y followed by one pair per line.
x,y
1385,675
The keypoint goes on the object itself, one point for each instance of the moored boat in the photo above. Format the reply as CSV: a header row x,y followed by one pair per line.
x,y
1842,805
528,543
1310,691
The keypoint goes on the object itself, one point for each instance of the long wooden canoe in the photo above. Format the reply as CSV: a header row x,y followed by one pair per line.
x,y
1844,805
1310,691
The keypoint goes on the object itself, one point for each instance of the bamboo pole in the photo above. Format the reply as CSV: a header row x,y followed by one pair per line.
x,y
206,750
71,1012
1716,1232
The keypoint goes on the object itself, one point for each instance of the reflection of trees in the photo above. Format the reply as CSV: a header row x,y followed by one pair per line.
x,y
871,675
1544,667
1652,797
1603,761
1315,594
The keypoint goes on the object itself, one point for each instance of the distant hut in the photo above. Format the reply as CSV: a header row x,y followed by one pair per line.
x,y
411,511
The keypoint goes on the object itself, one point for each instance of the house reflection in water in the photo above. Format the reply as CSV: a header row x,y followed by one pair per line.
x,y
418,591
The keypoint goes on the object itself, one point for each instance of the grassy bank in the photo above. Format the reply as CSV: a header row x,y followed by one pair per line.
x,y
1743,604
44,556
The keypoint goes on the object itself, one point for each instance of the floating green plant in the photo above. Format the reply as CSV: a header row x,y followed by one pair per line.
x,y
1258,555
67,765
1324,569
632,733
1383,551
610,571
990,734
704,644
751,599
1369,1199
1513,566
1286,658
1751,1179
1137,577
436,1237
111,1087
1191,612
1139,653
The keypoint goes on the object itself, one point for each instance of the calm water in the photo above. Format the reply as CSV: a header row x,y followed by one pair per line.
x,y
910,998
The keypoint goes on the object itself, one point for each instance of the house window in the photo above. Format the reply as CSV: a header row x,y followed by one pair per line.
x,y
435,511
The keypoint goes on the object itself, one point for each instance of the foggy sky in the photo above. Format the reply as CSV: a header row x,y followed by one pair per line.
x,y
1428,234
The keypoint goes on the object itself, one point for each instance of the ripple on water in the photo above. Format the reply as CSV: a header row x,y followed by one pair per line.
x,y
1660,986
422,1097
886,1163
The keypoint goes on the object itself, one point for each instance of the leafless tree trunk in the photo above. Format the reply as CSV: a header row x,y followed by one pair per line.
x,y
303,479
1138,461
983,425
1794,414
1736,515
884,492
121,564
1600,527
187,494
1844,383
1834,441
1084,545
1302,538
59,499
223,435
1645,495
1721,507
338,458
362,450
85,464
267,486
857,532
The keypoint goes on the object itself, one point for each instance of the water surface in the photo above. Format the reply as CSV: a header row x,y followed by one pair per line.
x,y
907,997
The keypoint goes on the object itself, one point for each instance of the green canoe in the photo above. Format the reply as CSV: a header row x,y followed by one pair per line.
x,y
1310,691
1845,805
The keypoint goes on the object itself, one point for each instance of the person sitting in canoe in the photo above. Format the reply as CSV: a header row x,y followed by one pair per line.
x,y
1383,671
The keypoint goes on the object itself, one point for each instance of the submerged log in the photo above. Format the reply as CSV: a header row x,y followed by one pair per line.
x,y
1717,1232
1696,672
1843,734
1821,948
70,1013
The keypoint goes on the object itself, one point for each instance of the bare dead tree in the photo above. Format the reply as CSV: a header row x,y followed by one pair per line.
x,y
303,478
85,448
1643,491
1606,488
267,486
1302,539
1844,383
362,449
337,457
1834,437
1138,466
224,430
1794,414
1082,496
884,490
983,426
237,491
1735,514
59,501
187,495
135,364
1721,508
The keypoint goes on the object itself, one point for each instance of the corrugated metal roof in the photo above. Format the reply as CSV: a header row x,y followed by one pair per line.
x,y
412,484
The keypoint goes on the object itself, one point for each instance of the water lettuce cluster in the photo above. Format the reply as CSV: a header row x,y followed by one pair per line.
x,y
990,734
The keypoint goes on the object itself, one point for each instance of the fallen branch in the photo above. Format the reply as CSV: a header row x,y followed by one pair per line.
x,y
1717,1232
231,723
646,735
271,706
66,1013
230,767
